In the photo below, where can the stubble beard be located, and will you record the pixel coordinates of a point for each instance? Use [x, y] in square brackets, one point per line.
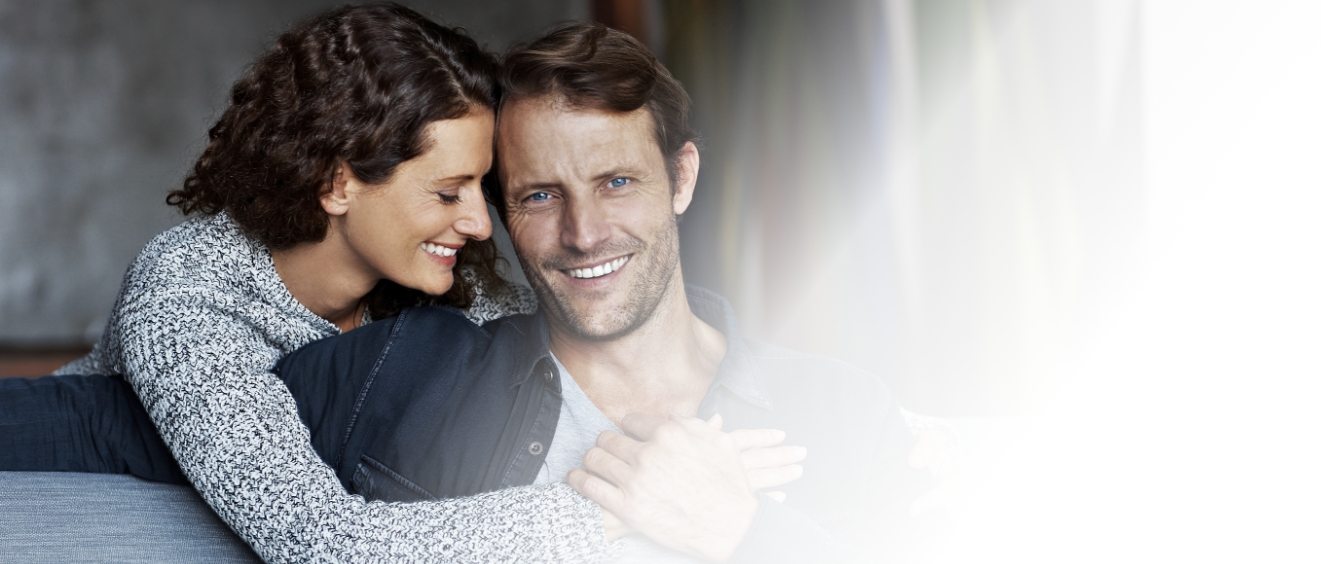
[655, 271]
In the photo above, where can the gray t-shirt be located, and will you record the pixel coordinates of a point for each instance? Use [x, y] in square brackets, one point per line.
[579, 424]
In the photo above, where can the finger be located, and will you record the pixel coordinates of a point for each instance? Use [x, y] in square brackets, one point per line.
[622, 447]
[600, 462]
[745, 439]
[763, 478]
[642, 426]
[599, 491]
[772, 457]
[716, 421]
[776, 495]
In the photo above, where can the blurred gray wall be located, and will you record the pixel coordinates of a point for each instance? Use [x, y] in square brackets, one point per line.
[104, 106]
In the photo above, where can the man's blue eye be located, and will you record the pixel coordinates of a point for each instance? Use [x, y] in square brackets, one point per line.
[618, 182]
[538, 197]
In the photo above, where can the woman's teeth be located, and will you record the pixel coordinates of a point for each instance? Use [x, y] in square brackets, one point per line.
[598, 270]
[439, 250]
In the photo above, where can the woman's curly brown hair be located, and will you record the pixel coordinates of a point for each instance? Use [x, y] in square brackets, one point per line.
[356, 85]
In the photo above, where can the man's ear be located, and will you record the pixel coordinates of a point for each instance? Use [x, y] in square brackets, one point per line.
[686, 162]
[335, 196]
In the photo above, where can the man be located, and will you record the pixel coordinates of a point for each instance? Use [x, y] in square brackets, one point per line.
[624, 371]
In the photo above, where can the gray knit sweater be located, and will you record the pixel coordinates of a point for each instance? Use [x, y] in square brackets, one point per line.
[200, 321]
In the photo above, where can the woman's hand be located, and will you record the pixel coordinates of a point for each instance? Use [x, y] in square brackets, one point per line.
[683, 482]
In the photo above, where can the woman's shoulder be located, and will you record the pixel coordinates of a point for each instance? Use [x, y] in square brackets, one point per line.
[202, 251]
[207, 263]
[207, 278]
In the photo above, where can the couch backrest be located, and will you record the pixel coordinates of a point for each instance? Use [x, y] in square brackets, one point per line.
[72, 517]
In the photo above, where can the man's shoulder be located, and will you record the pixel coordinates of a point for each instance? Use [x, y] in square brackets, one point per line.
[437, 338]
[765, 352]
[523, 333]
[516, 323]
[427, 336]
[792, 371]
[785, 379]
[441, 319]
[814, 397]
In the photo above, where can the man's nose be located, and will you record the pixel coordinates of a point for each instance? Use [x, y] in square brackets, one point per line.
[585, 225]
[475, 221]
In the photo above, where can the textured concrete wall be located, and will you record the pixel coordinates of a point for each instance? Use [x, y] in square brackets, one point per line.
[104, 106]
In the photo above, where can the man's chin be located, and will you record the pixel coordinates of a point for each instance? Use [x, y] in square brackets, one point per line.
[593, 322]
[598, 332]
[590, 316]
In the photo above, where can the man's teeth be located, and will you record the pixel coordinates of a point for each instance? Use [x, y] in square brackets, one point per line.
[598, 270]
[439, 250]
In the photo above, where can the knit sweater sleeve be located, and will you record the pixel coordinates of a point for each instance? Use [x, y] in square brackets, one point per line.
[202, 369]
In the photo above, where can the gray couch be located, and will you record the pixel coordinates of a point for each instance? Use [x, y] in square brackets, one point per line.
[70, 517]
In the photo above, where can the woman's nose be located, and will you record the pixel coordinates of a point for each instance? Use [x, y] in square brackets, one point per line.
[475, 222]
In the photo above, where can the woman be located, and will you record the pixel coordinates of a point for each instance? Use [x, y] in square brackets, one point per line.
[350, 156]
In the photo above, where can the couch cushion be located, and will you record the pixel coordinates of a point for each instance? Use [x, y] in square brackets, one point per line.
[74, 517]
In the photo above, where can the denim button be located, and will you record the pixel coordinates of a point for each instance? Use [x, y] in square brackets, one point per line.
[547, 375]
[535, 448]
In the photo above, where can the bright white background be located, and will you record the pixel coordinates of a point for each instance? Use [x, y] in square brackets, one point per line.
[1188, 428]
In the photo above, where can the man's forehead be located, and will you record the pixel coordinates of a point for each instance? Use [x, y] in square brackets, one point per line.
[547, 132]
[556, 114]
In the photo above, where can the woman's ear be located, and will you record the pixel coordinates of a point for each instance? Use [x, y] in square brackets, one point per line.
[335, 196]
[687, 162]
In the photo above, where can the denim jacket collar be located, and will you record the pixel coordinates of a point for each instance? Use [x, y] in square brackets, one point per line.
[532, 348]
[737, 372]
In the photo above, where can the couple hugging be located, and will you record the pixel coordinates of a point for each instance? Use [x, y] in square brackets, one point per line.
[326, 351]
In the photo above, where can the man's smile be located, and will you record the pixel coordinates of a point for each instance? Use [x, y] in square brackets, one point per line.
[598, 270]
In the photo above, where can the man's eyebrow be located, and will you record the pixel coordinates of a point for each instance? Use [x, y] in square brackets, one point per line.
[630, 171]
[626, 170]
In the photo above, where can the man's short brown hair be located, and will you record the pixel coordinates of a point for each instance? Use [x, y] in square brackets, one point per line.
[591, 66]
